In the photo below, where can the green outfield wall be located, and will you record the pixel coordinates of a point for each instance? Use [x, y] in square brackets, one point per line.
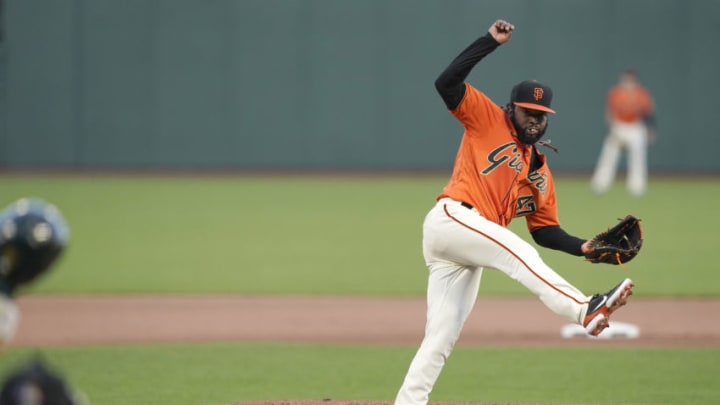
[335, 83]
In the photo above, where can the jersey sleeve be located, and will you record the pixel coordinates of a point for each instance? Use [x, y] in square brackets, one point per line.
[476, 110]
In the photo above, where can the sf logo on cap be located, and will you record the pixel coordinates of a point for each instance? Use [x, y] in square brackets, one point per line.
[538, 93]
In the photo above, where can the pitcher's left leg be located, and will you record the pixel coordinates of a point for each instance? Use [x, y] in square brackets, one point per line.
[451, 294]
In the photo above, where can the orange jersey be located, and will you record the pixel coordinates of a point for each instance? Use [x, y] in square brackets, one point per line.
[629, 104]
[491, 168]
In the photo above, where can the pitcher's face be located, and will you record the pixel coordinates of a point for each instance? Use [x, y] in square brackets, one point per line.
[530, 124]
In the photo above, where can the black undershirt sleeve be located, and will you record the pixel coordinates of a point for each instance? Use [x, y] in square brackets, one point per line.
[554, 237]
[451, 82]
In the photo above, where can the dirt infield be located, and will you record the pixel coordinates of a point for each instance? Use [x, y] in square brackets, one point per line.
[83, 320]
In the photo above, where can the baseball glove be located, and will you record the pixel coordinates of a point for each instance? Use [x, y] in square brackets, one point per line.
[617, 245]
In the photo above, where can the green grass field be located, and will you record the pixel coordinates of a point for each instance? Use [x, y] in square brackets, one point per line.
[335, 235]
[227, 373]
[352, 235]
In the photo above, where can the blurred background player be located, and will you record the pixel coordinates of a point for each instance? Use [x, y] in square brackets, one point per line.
[630, 113]
[36, 384]
[33, 235]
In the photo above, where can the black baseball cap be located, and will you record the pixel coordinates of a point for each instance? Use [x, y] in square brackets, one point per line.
[532, 95]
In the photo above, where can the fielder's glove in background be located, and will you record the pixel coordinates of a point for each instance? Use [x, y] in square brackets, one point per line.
[617, 245]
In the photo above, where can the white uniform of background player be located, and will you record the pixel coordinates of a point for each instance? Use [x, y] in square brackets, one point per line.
[629, 115]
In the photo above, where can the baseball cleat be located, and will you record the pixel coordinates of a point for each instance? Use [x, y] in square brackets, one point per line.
[601, 306]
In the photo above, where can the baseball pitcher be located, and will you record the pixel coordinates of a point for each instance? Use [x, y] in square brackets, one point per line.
[499, 174]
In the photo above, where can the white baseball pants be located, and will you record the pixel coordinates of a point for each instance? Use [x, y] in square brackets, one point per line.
[457, 244]
[631, 137]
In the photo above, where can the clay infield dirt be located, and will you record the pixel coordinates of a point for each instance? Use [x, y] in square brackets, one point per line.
[94, 320]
